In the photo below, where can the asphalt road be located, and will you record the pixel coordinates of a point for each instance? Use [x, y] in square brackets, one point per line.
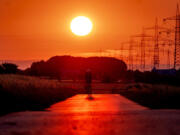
[106, 114]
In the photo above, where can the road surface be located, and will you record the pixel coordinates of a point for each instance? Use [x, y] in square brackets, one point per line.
[106, 114]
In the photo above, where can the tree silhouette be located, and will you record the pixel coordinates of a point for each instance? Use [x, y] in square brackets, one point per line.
[68, 67]
[10, 68]
[2, 69]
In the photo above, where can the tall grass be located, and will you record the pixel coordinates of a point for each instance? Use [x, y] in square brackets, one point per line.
[19, 93]
[154, 96]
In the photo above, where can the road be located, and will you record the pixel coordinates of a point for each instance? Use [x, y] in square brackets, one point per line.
[106, 114]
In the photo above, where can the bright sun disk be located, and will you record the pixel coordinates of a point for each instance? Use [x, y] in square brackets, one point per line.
[81, 26]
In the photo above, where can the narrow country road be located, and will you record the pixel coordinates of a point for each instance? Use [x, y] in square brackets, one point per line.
[100, 103]
[106, 114]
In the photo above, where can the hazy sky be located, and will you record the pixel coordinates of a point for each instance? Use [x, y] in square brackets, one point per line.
[39, 29]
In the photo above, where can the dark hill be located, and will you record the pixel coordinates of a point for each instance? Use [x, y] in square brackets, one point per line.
[68, 67]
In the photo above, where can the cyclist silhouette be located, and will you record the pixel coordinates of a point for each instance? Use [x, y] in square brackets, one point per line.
[88, 81]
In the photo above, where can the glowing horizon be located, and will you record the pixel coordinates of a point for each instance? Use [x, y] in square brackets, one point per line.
[32, 30]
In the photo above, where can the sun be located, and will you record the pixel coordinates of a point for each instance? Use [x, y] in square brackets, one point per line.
[81, 26]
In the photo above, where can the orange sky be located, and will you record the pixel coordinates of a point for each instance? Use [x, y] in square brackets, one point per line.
[39, 29]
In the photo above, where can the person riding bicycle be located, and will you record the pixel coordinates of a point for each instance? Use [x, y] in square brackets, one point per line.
[88, 81]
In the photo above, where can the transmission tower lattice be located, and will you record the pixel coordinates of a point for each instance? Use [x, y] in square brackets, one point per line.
[177, 38]
[143, 37]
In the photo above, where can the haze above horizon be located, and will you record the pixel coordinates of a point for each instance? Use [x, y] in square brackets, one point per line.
[40, 29]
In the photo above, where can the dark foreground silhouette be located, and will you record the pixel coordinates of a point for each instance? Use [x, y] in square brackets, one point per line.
[20, 93]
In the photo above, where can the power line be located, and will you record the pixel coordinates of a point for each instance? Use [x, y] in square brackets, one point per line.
[177, 37]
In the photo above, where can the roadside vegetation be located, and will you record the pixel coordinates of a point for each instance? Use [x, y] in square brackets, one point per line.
[20, 93]
[159, 96]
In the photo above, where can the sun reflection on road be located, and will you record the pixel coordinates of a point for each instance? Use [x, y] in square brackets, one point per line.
[81, 103]
[100, 103]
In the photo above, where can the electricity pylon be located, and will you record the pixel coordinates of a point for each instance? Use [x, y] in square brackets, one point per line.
[143, 37]
[156, 39]
[177, 37]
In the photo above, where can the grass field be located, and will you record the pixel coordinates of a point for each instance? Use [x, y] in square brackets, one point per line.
[153, 96]
[19, 93]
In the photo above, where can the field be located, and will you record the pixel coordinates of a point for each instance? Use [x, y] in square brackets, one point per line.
[20, 93]
[153, 96]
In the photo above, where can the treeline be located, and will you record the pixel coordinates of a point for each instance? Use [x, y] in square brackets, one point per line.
[68, 67]
[105, 69]
[9, 68]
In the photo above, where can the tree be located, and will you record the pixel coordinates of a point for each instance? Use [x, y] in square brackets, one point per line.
[10, 68]
[2, 69]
